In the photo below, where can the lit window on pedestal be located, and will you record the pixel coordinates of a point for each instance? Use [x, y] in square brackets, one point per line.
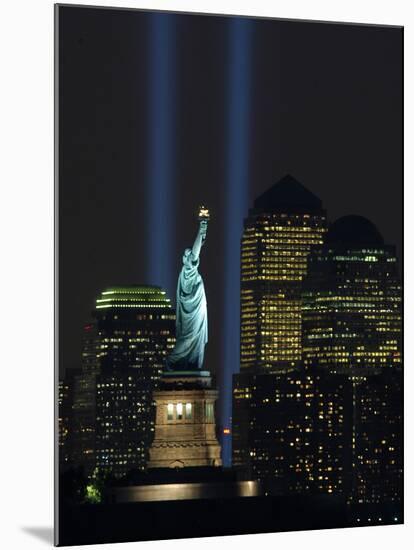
[188, 411]
[170, 411]
[209, 412]
[179, 411]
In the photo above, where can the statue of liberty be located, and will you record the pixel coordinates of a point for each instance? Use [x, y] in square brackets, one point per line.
[191, 308]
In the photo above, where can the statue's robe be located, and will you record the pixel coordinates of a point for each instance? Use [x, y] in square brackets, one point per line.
[191, 318]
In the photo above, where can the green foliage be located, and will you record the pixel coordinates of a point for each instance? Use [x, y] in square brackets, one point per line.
[93, 494]
[95, 489]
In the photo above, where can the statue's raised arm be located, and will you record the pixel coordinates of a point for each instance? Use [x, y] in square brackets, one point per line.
[199, 240]
[191, 307]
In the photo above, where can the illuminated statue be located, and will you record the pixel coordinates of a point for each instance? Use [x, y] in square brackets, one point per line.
[191, 321]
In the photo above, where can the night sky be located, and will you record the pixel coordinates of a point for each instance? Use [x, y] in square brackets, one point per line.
[159, 113]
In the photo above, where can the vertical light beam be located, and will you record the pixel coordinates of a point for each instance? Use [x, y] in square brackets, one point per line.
[161, 151]
[238, 136]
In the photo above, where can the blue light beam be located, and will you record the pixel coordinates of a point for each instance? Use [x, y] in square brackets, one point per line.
[237, 180]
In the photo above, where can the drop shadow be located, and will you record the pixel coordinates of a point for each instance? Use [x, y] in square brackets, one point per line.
[44, 534]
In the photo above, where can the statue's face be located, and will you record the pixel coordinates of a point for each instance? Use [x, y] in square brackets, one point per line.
[187, 253]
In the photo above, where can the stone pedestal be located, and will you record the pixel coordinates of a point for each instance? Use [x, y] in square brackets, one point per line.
[185, 429]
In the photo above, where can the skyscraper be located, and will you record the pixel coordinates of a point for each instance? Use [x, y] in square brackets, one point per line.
[273, 429]
[273, 399]
[285, 222]
[67, 439]
[291, 430]
[64, 421]
[377, 444]
[136, 332]
[352, 301]
[84, 402]
[352, 327]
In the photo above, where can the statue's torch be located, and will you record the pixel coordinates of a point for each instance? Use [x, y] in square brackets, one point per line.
[203, 217]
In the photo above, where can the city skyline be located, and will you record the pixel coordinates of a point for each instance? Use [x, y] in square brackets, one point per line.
[178, 129]
[300, 215]
[287, 196]
[317, 404]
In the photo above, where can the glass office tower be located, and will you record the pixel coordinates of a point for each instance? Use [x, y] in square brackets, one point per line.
[136, 332]
[285, 222]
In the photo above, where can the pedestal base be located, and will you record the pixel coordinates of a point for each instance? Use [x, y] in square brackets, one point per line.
[185, 429]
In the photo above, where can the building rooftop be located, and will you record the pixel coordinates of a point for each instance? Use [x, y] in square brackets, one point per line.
[288, 195]
[133, 296]
[355, 231]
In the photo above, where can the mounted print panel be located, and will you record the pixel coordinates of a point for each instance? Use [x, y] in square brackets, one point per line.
[229, 289]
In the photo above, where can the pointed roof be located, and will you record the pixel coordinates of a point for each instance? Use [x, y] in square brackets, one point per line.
[288, 195]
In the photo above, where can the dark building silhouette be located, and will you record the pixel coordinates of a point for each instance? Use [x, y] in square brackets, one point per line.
[65, 418]
[333, 433]
[291, 431]
[273, 429]
[377, 446]
[136, 331]
[352, 327]
[64, 421]
[84, 403]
